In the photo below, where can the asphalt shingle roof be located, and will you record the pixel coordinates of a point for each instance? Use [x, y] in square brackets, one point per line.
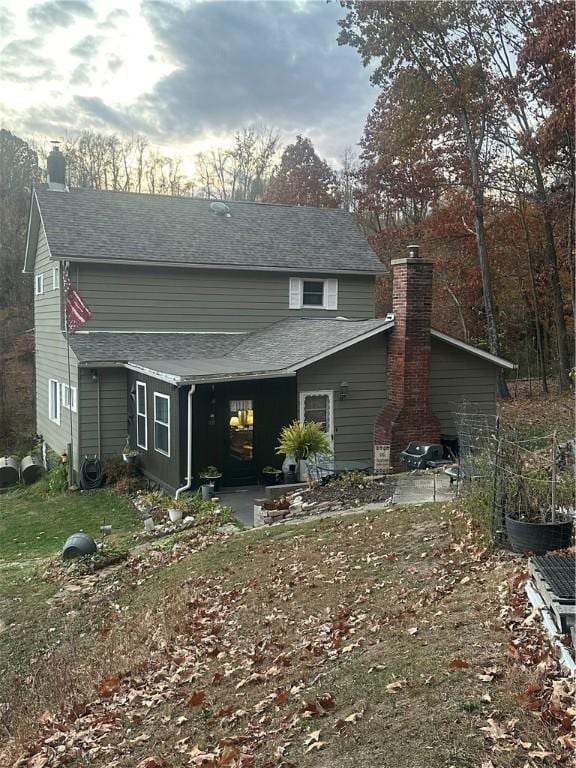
[105, 347]
[108, 226]
[278, 347]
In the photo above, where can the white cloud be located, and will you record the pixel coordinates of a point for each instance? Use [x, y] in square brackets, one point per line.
[184, 73]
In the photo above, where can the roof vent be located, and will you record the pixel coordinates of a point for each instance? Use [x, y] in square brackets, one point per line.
[220, 209]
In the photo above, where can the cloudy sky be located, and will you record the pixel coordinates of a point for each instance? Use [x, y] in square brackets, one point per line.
[184, 73]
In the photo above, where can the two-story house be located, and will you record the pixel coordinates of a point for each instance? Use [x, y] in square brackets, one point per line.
[214, 325]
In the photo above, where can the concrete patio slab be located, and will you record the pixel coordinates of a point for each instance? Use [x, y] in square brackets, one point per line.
[241, 501]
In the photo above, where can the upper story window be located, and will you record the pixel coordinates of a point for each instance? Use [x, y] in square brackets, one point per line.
[39, 285]
[162, 424]
[313, 294]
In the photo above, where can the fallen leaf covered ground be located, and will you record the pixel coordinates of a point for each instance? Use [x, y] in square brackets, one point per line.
[387, 640]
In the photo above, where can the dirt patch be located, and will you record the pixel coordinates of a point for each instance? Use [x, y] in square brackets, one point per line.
[347, 498]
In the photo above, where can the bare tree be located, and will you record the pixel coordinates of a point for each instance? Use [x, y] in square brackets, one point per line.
[242, 171]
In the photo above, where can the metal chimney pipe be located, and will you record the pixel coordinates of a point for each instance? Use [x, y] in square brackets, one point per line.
[413, 251]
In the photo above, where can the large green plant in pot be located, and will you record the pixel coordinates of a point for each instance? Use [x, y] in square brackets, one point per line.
[303, 440]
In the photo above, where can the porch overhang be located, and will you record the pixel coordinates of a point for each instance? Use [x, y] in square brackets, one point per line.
[208, 371]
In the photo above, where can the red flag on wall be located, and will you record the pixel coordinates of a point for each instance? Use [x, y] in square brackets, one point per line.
[77, 313]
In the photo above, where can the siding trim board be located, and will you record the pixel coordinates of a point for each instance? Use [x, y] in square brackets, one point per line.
[473, 350]
[219, 266]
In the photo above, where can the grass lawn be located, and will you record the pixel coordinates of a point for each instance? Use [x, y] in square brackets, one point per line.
[35, 525]
[372, 640]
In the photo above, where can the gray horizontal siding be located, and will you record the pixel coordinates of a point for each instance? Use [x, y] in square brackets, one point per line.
[458, 378]
[51, 354]
[150, 298]
[363, 367]
[113, 412]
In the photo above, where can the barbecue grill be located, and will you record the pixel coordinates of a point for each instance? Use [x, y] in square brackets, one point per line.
[423, 455]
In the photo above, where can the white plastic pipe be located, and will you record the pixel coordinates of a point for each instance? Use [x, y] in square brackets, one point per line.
[188, 484]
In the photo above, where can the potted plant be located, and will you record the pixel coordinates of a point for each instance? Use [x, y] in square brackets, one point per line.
[212, 476]
[303, 440]
[271, 475]
[535, 508]
[174, 514]
[129, 455]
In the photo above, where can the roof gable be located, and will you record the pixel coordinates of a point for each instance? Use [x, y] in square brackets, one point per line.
[94, 225]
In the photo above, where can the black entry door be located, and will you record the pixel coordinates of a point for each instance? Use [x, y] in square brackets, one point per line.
[239, 425]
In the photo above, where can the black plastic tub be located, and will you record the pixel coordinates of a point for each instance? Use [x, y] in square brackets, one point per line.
[272, 478]
[538, 538]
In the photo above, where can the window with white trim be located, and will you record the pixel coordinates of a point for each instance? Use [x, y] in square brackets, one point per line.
[54, 278]
[162, 424]
[39, 285]
[142, 416]
[310, 293]
[54, 400]
[69, 398]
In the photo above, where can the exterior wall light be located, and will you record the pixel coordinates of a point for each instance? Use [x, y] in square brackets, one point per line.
[343, 391]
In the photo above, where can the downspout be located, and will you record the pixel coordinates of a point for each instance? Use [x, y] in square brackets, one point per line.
[98, 415]
[188, 484]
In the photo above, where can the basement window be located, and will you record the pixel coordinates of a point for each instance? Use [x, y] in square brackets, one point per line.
[54, 400]
[39, 285]
[162, 424]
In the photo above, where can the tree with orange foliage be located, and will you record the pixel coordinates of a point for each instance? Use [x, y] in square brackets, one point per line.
[439, 42]
[303, 178]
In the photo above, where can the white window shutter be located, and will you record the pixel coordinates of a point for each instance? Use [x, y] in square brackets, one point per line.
[331, 294]
[295, 300]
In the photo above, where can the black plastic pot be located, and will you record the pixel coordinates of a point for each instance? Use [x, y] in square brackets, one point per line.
[272, 478]
[538, 538]
[214, 481]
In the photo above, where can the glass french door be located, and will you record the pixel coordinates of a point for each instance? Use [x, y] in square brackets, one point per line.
[240, 440]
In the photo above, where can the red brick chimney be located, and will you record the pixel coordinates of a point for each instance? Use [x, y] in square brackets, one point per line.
[408, 415]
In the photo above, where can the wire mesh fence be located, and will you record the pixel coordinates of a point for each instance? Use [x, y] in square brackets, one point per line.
[412, 488]
[523, 480]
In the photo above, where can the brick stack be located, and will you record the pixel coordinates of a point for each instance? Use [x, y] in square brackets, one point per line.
[408, 415]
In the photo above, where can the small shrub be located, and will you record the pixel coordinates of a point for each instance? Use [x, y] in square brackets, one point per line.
[103, 558]
[53, 459]
[115, 469]
[350, 481]
[57, 479]
[129, 485]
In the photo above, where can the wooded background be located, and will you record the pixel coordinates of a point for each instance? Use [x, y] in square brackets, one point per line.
[469, 151]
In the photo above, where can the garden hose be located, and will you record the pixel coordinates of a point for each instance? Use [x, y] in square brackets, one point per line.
[91, 473]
